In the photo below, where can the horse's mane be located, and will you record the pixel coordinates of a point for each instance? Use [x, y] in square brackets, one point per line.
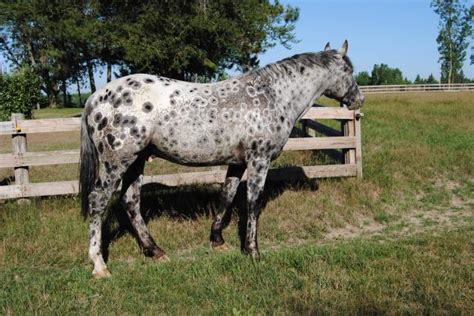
[321, 59]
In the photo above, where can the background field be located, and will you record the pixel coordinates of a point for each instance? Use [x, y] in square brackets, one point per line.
[399, 240]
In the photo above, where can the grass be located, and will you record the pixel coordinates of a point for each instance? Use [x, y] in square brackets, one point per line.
[398, 241]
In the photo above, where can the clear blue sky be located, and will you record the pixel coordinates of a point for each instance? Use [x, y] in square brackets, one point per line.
[400, 33]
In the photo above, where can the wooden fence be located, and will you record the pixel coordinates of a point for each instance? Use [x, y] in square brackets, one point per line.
[417, 88]
[348, 138]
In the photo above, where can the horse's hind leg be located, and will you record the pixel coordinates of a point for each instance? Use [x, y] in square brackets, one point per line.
[132, 183]
[222, 219]
[105, 185]
[256, 174]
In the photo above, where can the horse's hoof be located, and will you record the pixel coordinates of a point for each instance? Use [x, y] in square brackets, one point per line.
[161, 258]
[221, 247]
[102, 274]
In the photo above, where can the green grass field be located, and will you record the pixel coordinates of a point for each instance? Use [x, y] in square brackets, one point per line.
[400, 240]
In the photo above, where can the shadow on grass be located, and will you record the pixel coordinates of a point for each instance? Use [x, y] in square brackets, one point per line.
[190, 202]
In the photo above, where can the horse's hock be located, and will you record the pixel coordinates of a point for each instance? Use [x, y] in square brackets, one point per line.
[341, 144]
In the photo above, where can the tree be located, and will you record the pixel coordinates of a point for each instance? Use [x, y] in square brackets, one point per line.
[418, 80]
[64, 41]
[36, 33]
[383, 75]
[431, 79]
[19, 92]
[183, 39]
[471, 21]
[362, 78]
[454, 29]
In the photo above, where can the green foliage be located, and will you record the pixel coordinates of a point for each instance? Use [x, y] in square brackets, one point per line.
[382, 74]
[430, 80]
[181, 39]
[64, 41]
[19, 92]
[363, 78]
[455, 27]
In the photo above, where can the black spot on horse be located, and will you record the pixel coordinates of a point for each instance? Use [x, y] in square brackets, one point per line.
[136, 85]
[134, 132]
[282, 119]
[119, 88]
[107, 166]
[148, 80]
[102, 124]
[128, 101]
[254, 145]
[117, 119]
[100, 147]
[110, 140]
[97, 117]
[147, 107]
[117, 103]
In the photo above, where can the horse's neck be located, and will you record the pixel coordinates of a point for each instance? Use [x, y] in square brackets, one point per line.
[304, 87]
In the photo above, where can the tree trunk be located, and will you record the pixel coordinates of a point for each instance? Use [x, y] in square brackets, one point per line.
[79, 92]
[64, 88]
[52, 92]
[90, 72]
[52, 99]
[109, 72]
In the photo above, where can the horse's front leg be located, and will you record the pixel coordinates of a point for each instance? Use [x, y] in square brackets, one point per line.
[257, 170]
[132, 183]
[222, 219]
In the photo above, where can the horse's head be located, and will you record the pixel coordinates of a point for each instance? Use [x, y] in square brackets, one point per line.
[343, 88]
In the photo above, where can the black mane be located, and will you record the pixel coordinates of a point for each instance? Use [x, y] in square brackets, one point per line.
[321, 59]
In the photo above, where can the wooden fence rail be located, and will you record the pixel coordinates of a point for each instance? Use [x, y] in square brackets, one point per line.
[348, 139]
[417, 88]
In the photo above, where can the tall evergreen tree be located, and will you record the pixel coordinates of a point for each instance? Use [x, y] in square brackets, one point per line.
[454, 30]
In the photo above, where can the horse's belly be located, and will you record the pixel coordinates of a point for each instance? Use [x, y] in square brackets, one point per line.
[197, 150]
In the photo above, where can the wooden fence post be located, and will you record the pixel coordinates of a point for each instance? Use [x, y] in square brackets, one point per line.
[22, 177]
[358, 149]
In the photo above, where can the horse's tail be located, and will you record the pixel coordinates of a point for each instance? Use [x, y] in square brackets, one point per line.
[88, 166]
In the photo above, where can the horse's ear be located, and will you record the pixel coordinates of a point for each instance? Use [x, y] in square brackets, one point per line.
[327, 47]
[343, 49]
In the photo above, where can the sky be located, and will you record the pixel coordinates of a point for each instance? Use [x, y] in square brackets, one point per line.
[399, 33]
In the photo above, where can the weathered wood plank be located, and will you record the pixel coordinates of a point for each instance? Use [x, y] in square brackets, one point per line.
[53, 188]
[332, 113]
[10, 191]
[42, 158]
[7, 128]
[311, 143]
[50, 125]
[213, 176]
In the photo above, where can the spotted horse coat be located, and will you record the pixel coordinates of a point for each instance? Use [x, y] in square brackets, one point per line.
[243, 122]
